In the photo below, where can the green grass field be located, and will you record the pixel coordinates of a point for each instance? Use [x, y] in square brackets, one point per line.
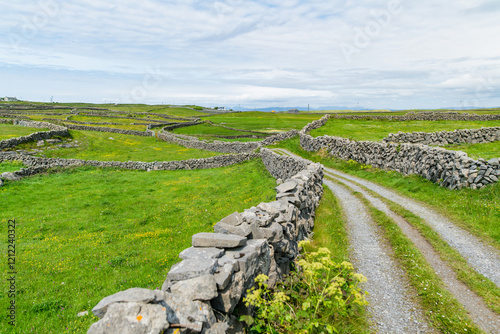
[98, 146]
[86, 233]
[207, 131]
[8, 131]
[264, 121]
[376, 130]
[486, 151]
[160, 109]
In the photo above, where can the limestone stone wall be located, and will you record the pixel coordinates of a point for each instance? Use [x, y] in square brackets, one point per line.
[281, 167]
[451, 169]
[215, 146]
[470, 136]
[146, 133]
[181, 125]
[424, 116]
[202, 290]
[37, 164]
[54, 130]
[221, 146]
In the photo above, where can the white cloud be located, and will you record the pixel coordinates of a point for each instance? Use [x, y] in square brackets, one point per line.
[257, 52]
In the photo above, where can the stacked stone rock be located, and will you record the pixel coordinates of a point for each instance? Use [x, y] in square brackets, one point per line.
[423, 116]
[181, 125]
[469, 136]
[200, 292]
[215, 146]
[38, 165]
[146, 133]
[451, 169]
[55, 130]
[224, 147]
[279, 137]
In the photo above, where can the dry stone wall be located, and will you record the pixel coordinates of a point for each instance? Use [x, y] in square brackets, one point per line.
[54, 130]
[469, 136]
[451, 169]
[424, 116]
[181, 125]
[201, 292]
[146, 133]
[215, 146]
[37, 164]
[224, 147]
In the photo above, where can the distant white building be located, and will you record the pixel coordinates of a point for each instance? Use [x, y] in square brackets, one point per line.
[10, 99]
[293, 111]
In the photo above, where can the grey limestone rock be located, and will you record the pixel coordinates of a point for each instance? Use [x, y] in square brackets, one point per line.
[233, 219]
[242, 230]
[199, 288]
[186, 314]
[218, 240]
[286, 187]
[10, 176]
[191, 268]
[223, 275]
[229, 297]
[138, 295]
[218, 328]
[494, 162]
[132, 318]
[193, 253]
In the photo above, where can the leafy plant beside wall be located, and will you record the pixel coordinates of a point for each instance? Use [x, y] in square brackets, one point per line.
[319, 297]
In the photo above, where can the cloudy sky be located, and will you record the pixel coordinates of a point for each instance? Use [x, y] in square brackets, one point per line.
[376, 54]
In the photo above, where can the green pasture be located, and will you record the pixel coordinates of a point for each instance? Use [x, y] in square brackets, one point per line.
[376, 130]
[159, 109]
[8, 131]
[264, 121]
[486, 150]
[83, 234]
[207, 131]
[95, 145]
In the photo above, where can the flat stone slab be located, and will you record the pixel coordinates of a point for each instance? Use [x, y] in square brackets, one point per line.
[137, 295]
[233, 219]
[10, 176]
[132, 318]
[286, 187]
[199, 288]
[218, 240]
[194, 253]
[191, 268]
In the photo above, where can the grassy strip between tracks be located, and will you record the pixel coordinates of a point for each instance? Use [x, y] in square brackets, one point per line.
[465, 273]
[445, 313]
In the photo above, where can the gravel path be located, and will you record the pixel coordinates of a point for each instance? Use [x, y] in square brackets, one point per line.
[486, 319]
[391, 301]
[482, 257]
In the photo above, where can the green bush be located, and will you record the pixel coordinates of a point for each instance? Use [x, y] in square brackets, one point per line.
[319, 298]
